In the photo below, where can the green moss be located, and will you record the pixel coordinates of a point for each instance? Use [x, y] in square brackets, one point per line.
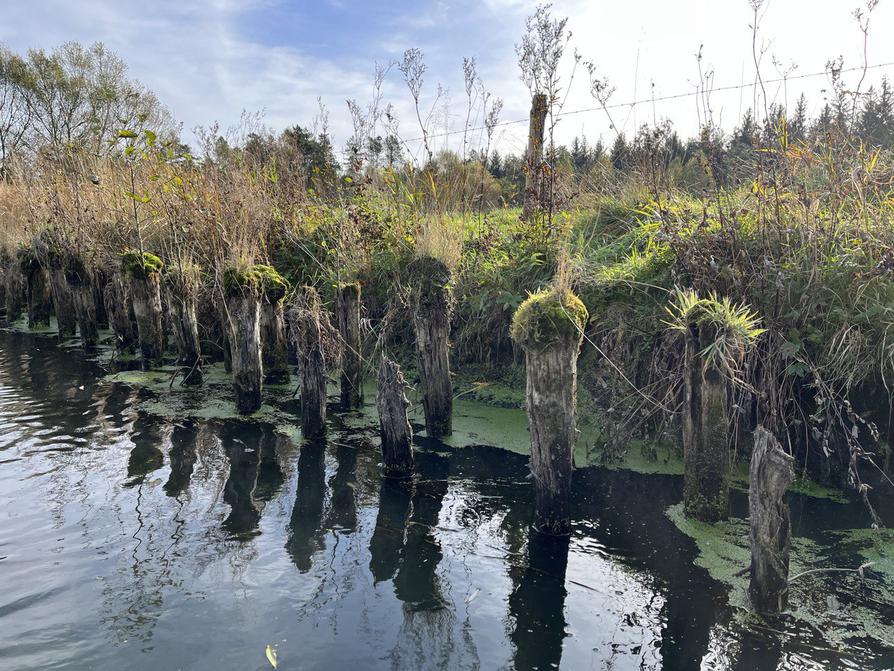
[548, 317]
[135, 264]
[261, 278]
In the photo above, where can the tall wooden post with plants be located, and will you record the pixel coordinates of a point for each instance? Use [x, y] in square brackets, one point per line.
[534, 157]
[51, 250]
[37, 283]
[307, 318]
[348, 307]
[394, 425]
[548, 326]
[119, 309]
[717, 335]
[143, 275]
[771, 472]
[274, 341]
[182, 288]
[242, 293]
[79, 277]
[432, 308]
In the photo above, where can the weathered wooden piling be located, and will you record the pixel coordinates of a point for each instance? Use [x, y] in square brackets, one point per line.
[143, 275]
[307, 318]
[37, 289]
[274, 341]
[182, 286]
[771, 472]
[549, 328]
[534, 157]
[14, 291]
[63, 302]
[122, 320]
[242, 324]
[432, 306]
[348, 307]
[80, 285]
[394, 425]
[705, 429]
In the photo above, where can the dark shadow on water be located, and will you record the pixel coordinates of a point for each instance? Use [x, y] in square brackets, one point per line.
[146, 455]
[387, 542]
[305, 534]
[537, 603]
[182, 455]
[255, 475]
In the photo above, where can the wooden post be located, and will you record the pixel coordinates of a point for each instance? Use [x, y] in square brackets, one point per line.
[771, 472]
[182, 289]
[394, 425]
[705, 429]
[80, 285]
[14, 285]
[122, 319]
[101, 278]
[143, 273]
[431, 320]
[243, 328]
[549, 328]
[63, 303]
[306, 318]
[37, 283]
[351, 346]
[534, 157]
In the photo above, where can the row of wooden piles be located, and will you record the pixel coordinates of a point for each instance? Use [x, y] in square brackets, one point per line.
[142, 301]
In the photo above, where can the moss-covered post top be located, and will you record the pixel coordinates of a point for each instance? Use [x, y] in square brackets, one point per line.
[429, 273]
[551, 317]
[261, 279]
[139, 265]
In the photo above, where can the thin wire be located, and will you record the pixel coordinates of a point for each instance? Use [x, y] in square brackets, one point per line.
[675, 96]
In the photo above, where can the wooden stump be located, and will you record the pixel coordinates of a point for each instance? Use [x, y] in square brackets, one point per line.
[771, 472]
[548, 326]
[143, 273]
[351, 346]
[63, 303]
[705, 431]
[431, 321]
[243, 328]
[14, 285]
[394, 425]
[306, 317]
[39, 295]
[122, 319]
[80, 285]
[182, 289]
[534, 157]
[274, 343]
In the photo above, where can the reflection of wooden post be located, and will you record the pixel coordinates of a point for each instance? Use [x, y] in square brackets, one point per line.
[548, 326]
[395, 429]
[351, 360]
[534, 157]
[431, 321]
[770, 474]
[309, 335]
[705, 428]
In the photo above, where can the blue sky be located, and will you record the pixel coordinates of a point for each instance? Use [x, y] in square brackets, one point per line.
[211, 59]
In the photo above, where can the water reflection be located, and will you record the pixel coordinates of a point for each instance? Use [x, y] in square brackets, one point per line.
[182, 455]
[537, 603]
[255, 475]
[305, 532]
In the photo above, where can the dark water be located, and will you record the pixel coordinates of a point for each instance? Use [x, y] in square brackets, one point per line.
[133, 542]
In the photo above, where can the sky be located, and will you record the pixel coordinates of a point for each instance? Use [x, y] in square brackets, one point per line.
[210, 60]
